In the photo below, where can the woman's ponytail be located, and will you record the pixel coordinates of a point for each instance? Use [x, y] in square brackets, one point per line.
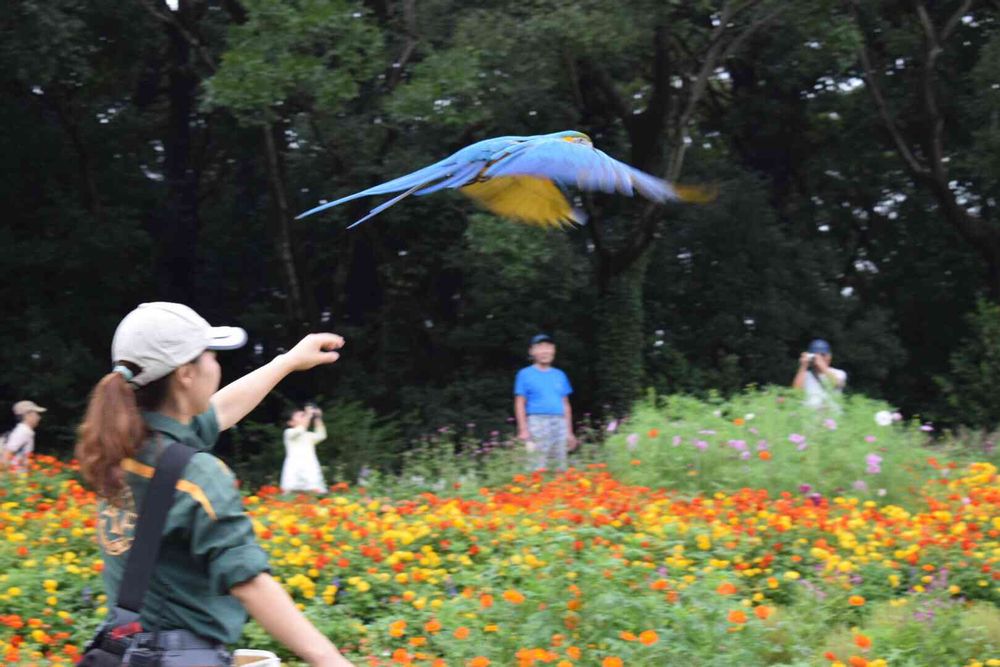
[112, 431]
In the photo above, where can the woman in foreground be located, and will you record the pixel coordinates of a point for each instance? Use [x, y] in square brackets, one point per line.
[163, 388]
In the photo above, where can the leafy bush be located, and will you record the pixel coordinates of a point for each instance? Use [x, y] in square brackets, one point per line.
[768, 439]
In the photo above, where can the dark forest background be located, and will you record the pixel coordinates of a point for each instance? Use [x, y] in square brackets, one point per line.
[156, 153]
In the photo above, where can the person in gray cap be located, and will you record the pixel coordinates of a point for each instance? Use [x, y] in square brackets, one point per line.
[820, 381]
[19, 444]
[164, 387]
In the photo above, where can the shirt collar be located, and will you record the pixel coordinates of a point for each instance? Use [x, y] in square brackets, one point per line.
[173, 429]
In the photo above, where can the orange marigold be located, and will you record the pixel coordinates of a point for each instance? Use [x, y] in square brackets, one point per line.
[648, 637]
[486, 600]
[725, 588]
[397, 628]
[513, 597]
[737, 616]
[432, 626]
[764, 455]
[627, 636]
[856, 600]
[863, 641]
[857, 661]
[461, 633]
[574, 652]
[612, 661]
[653, 432]
[479, 661]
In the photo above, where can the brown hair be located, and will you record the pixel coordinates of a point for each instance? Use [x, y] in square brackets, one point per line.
[113, 429]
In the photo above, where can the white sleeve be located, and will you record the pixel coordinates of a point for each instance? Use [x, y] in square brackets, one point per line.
[841, 377]
[319, 435]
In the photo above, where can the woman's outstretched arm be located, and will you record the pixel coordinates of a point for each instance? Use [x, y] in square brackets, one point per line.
[234, 401]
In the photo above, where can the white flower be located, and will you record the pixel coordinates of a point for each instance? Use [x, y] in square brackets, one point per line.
[717, 413]
[749, 416]
[883, 417]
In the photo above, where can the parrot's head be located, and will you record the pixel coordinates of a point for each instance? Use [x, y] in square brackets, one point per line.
[574, 137]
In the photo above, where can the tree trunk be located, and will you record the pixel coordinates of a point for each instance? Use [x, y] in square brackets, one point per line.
[177, 228]
[295, 302]
[620, 340]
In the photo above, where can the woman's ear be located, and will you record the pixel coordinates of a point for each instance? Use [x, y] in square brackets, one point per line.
[184, 375]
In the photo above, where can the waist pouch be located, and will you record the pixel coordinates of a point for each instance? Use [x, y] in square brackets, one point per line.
[127, 645]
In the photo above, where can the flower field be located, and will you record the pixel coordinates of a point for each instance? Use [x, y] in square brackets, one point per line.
[575, 569]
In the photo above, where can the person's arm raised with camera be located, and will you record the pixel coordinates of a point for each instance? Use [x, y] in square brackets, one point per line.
[799, 382]
[823, 369]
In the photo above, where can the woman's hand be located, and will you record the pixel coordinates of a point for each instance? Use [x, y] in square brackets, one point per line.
[314, 350]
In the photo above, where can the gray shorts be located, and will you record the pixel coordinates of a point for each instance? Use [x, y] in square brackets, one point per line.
[548, 437]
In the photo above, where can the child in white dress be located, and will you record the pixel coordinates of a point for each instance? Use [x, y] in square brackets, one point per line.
[301, 471]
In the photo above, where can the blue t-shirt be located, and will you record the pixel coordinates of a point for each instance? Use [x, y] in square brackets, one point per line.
[543, 390]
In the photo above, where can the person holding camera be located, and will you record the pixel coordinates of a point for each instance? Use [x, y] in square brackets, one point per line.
[301, 471]
[817, 377]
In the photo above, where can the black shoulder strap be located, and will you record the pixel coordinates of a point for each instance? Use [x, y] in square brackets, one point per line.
[149, 529]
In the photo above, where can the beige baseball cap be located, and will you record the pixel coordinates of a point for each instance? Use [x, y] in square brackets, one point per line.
[159, 337]
[22, 408]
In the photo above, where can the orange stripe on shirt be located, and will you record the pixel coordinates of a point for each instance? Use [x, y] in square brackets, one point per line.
[190, 488]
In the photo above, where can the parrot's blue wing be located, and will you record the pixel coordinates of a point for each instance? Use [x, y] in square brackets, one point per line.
[580, 165]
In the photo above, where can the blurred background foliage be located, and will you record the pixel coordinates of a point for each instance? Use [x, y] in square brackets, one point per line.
[153, 152]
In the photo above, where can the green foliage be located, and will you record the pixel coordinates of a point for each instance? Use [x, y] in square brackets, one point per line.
[819, 230]
[975, 370]
[289, 52]
[769, 439]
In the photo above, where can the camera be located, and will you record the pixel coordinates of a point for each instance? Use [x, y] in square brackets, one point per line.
[810, 356]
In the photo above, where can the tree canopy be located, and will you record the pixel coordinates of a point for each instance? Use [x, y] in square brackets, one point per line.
[156, 151]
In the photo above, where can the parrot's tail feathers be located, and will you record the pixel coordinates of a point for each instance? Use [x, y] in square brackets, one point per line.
[696, 194]
[459, 178]
[338, 202]
[381, 207]
[428, 175]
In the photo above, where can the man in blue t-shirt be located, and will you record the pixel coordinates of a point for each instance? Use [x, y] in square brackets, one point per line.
[541, 405]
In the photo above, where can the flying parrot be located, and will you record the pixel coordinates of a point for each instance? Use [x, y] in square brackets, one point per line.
[523, 178]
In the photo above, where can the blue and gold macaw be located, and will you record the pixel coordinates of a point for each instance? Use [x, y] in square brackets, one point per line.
[523, 178]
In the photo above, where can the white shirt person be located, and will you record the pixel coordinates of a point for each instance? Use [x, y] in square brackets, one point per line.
[820, 381]
[301, 470]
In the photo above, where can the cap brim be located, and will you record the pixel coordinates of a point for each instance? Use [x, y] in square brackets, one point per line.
[227, 338]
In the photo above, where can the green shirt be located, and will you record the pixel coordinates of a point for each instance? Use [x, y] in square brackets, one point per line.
[208, 541]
